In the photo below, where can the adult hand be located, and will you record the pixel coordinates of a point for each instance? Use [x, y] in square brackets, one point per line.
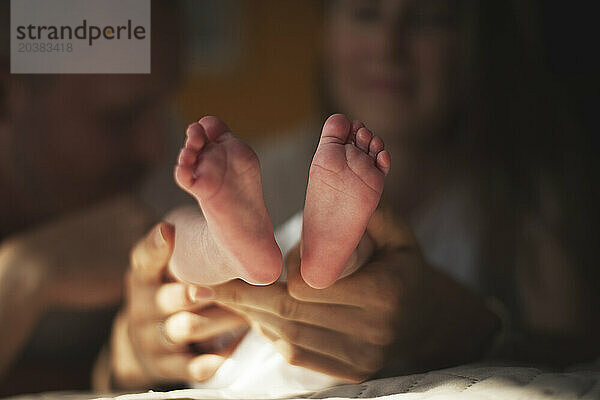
[393, 307]
[153, 335]
[342, 331]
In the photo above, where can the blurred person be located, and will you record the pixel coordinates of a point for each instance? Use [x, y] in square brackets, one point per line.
[490, 172]
[485, 171]
[72, 148]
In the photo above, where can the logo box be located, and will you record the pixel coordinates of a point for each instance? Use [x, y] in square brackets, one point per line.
[80, 36]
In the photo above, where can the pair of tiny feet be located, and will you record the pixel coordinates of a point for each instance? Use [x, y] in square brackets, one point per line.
[346, 180]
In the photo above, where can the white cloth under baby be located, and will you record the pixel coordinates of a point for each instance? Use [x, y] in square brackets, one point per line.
[256, 367]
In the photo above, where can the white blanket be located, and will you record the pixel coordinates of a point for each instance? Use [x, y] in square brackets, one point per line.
[475, 381]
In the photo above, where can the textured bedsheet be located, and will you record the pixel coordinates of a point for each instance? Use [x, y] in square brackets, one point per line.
[475, 381]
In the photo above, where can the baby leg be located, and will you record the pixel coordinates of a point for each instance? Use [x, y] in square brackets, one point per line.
[344, 187]
[230, 235]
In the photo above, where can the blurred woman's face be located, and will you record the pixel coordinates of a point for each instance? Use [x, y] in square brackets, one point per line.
[391, 63]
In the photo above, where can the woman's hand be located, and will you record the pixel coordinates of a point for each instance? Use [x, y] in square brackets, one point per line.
[342, 331]
[153, 336]
[395, 307]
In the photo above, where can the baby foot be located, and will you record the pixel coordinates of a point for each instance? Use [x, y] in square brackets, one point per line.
[345, 184]
[223, 175]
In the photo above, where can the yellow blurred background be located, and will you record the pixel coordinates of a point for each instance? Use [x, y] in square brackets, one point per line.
[241, 55]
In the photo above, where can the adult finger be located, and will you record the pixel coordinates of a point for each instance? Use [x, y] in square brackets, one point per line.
[187, 327]
[274, 299]
[345, 348]
[183, 328]
[296, 355]
[376, 286]
[148, 302]
[149, 258]
[173, 297]
[152, 339]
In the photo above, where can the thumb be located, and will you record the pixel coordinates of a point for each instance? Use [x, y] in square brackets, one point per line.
[149, 258]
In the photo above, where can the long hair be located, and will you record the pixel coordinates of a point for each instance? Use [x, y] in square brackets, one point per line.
[527, 153]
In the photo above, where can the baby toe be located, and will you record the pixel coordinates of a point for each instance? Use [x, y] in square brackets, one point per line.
[196, 138]
[187, 157]
[213, 127]
[375, 146]
[184, 176]
[338, 127]
[356, 125]
[384, 161]
[363, 138]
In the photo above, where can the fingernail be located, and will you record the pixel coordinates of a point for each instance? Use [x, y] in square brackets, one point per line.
[159, 238]
[198, 293]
